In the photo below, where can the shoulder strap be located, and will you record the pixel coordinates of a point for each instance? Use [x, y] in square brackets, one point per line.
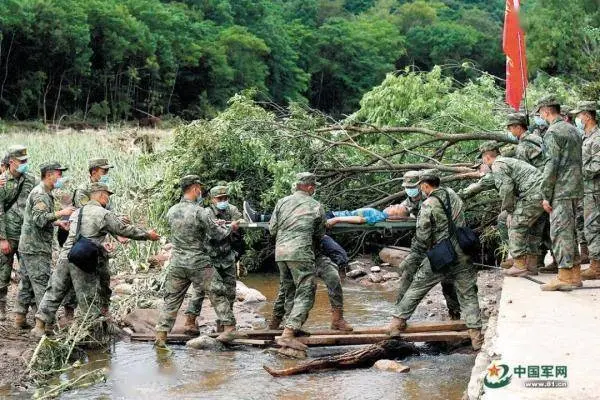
[77, 232]
[9, 205]
[73, 197]
[448, 212]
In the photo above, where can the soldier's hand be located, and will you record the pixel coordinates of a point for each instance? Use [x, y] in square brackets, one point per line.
[109, 246]
[64, 225]
[65, 212]
[547, 206]
[152, 235]
[5, 247]
[125, 219]
[235, 226]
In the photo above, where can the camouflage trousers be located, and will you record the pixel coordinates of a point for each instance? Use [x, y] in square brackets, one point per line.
[325, 269]
[591, 212]
[464, 277]
[35, 272]
[526, 228]
[6, 266]
[502, 226]
[226, 268]
[581, 238]
[204, 279]
[563, 232]
[407, 276]
[298, 277]
[67, 279]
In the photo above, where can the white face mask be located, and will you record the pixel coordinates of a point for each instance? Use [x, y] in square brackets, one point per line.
[412, 192]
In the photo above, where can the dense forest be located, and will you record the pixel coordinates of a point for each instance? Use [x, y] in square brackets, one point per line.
[110, 60]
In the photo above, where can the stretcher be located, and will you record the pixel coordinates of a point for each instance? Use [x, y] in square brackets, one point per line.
[387, 227]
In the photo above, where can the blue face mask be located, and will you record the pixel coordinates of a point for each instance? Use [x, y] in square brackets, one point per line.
[222, 205]
[59, 183]
[104, 179]
[579, 124]
[23, 168]
[412, 192]
[539, 121]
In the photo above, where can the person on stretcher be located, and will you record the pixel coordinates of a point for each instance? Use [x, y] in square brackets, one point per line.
[409, 207]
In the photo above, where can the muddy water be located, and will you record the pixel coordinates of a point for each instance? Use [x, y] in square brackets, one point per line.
[136, 372]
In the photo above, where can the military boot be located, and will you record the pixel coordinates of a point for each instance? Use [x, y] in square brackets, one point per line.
[551, 268]
[561, 282]
[397, 326]
[39, 330]
[476, 338]
[593, 272]
[161, 340]
[190, 327]
[338, 322]
[219, 327]
[454, 315]
[532, 264]
[519, 267]
[584, 254]
[2, 310]
[227, 335]
[69, 314]
[21, 321]
[507, 263]
[288, 339]
[275, 323]
[576, 276]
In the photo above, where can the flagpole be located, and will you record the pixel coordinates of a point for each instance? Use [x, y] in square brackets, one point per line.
[523, 76]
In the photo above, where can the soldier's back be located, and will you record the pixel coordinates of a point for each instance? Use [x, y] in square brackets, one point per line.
[563, 143]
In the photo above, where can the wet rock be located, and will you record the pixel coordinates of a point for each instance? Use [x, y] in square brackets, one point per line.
[376, 278]
[356, 265]
[205, 343]
[391, 275]
[393, 256]
[375, 268]
[248, 295]
[356, 273]
[123, 288]
[385, 264]
[390, 365]
[292, 353]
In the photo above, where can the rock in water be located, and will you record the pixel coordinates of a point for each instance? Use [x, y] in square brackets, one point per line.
[376, 278]
[393, 256]
[391, 275]
[376, 268]
[248, 295]
[205, 343]
[390, 365]
[356, 273]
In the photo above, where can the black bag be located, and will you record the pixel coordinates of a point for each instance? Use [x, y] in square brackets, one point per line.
[468, 240]
[85, 253]
[441, 256]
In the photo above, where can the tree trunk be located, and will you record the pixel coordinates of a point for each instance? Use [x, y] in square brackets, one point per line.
[361, 358]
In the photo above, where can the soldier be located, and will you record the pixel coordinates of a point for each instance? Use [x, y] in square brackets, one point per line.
[327, 270]
[529, 148]
[18, 183]
[222, 256]
[96, 224]
[586, 121]
[298, 223]
[519, 185]
[432, 227]
[191, 227]
[35, 244]
[561, 188]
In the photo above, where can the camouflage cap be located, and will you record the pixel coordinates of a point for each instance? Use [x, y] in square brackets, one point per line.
[585, 106]
[52, 166]
[218, 191]
[516, 119]
[546, 101]
[189, 180]
[17, 151]
[99, 163]
[430, 173]
[566, 110]
[306, 178]
[411, 179]
[99, 187]
[490, 145]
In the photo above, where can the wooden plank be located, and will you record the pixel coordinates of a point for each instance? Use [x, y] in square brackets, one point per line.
[180, 338]
[344, 340]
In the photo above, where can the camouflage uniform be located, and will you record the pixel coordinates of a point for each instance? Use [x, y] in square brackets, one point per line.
[96, 224]
[530, 150]
[410, 267]
[191, 227]
[222, 258]
[298, 223]
[519, 185]
[562, 187]
[35, 247]
[591, 190]
[10, 223]
[462, 273]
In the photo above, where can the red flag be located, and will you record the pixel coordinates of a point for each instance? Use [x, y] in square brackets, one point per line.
[516, 60]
